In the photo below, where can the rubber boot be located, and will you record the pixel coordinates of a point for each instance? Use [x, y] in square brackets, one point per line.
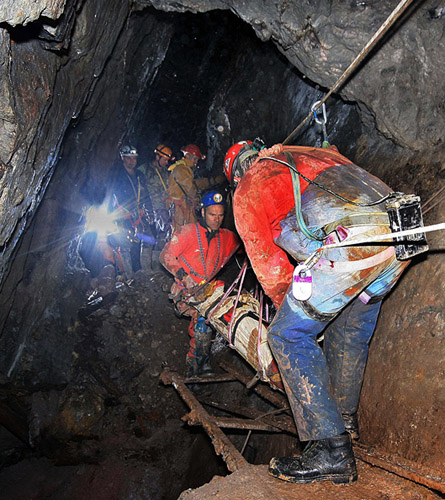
[203, 341]
[351, 425]
[147, 258]
[126, 262]
[330, 459]
[191, 367]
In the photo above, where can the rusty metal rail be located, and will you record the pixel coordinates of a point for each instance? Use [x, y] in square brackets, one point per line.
[218, 378]
[269, 422]
[281, 422]
[274, 397]
[232, 423]
[220, 441]
[401, 467]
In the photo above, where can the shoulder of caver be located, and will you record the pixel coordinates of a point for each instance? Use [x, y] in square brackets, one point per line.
[182, 172]
[186, 233]
[181, 241]
[179, 164]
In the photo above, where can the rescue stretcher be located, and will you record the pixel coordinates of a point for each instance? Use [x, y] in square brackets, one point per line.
[238, 322]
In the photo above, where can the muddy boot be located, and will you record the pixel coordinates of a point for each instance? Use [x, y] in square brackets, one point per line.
[147, 258]
[351, 425]
[191, 367]
[330, 459]
[127, 270]
[203, 340]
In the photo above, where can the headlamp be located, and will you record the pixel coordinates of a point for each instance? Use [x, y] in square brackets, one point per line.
[99, 220]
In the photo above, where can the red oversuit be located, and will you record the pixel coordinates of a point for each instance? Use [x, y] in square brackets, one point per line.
[201, 254]
[258, 213]
[347, 283]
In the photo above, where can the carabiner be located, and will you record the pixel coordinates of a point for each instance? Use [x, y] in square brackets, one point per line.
[318, 120]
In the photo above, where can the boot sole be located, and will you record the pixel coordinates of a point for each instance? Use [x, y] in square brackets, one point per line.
[335, 478]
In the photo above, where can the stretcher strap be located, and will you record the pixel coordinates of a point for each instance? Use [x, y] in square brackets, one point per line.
[259, 350]
[232, 286]
[235, 304]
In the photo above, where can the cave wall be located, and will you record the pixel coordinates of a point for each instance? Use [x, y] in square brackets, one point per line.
[46, 258]
[60, 128]
[395, 88]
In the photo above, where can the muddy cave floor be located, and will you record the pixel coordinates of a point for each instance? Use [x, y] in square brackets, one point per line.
[118, 432]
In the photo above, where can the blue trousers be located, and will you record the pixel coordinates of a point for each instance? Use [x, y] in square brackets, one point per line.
[321, 385]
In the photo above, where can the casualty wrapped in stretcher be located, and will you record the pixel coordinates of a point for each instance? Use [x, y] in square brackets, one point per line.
[241, 328]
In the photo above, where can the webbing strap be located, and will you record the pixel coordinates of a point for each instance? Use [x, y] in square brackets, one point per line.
[313, 313]
[359, 219]
[297, 195]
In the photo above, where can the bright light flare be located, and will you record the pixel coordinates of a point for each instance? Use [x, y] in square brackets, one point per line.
[99, 220]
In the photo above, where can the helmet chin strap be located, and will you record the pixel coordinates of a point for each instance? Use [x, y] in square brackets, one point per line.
[246, 154]
[238, 168]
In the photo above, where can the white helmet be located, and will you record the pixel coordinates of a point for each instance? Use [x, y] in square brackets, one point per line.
[128, 151]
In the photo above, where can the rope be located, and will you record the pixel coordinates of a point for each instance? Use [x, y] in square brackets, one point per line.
[431, 199]
[234, 306]
[232, 286]
[396, 13]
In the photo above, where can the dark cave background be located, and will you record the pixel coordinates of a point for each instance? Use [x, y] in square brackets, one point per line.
[87, 392]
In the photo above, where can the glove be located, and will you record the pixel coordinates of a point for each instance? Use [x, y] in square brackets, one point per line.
[150, 240]
[188, 282]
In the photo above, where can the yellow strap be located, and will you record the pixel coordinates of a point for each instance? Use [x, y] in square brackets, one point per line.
[162, 180]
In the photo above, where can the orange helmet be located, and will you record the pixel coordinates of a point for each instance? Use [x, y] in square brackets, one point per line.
[193, 150]
[164, 151]
[232, 155]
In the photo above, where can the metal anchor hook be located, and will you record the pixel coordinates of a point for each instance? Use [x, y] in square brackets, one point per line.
[321, 121]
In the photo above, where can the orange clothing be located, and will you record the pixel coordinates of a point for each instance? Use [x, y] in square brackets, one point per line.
[199, 252]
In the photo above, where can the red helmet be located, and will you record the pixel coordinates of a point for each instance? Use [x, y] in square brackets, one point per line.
[231, 156]
[193, 150]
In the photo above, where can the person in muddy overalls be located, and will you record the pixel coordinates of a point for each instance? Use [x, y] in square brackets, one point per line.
[338, 291]
[194, 255]
[183, 187]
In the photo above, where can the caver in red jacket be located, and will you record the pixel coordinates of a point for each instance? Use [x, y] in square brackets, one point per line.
[200, 252]
[262, 200]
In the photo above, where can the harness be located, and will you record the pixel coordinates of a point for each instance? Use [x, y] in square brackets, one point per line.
[206, 275]
[297, 195]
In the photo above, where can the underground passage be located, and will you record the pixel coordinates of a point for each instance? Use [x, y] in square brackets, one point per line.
[222, 241]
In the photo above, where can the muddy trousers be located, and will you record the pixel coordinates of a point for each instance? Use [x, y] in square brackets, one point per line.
[322, 385]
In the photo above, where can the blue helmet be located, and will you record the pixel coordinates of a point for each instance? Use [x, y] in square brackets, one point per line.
[212, 198]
